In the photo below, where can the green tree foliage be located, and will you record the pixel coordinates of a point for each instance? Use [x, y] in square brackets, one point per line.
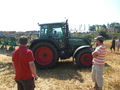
[115, 26]
[98, 27]
[92, 28]
[104, 34]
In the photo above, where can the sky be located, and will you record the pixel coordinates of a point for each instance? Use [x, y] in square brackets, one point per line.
[23, 15]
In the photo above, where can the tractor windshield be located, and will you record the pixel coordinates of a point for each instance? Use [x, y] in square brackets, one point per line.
[51, 30]
[57, 32]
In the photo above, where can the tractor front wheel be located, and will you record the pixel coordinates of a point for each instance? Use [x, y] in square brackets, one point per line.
[84, 58]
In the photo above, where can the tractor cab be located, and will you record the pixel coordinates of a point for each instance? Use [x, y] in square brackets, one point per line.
[52, 30]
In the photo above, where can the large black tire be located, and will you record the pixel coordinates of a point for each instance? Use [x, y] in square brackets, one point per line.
[84, 58]
[45, 55]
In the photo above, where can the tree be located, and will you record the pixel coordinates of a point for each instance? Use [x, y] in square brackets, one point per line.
[103, 33]
[115, 26]
[92, 28]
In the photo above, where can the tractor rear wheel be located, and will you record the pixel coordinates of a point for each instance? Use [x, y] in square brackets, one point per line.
[45, 55]
[84, 58]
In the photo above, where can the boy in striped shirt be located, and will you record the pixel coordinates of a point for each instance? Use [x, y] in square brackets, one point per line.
[98, 63]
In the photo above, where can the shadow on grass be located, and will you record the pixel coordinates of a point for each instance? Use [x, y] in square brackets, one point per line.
[107, 65]
[63, 71]
[117, 53]
[6, 67]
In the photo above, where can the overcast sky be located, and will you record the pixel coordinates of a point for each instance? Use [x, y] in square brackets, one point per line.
[23, 15]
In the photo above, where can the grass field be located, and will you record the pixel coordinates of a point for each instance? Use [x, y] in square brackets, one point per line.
[65, 76]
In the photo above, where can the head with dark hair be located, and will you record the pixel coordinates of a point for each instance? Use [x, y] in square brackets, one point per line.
[99, 40]
[23, 40]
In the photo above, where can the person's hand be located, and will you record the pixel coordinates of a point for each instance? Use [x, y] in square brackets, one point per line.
[94, 56]
[36, 77]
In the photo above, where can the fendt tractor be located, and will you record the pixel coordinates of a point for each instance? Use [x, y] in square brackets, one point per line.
[55, 43]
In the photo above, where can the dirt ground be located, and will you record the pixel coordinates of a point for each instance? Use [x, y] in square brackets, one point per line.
[65, 75]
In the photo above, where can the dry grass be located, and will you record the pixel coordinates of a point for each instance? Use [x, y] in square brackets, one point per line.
[65, 76]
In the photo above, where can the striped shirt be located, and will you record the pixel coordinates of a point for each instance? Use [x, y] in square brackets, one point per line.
[100, 59]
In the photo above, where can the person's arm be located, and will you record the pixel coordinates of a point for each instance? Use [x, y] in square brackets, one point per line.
[33, 69]
[13, 67]
[13, 59]
[95, 54]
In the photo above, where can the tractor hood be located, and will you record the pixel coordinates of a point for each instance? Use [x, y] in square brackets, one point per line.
[79, 41]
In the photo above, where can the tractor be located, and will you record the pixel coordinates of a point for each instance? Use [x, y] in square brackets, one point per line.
[56, 43]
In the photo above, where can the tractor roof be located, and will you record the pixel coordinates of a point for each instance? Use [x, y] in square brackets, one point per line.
[51, 23]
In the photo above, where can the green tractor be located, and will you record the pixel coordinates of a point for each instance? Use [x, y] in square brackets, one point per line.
[55, 42]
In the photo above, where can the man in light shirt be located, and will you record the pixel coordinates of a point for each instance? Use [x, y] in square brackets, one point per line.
[118, 44]
[98, 63]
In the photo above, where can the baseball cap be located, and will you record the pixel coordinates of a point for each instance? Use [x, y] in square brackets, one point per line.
[99, 38]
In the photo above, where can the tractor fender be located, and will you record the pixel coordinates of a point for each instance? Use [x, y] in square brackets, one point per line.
[80, 48]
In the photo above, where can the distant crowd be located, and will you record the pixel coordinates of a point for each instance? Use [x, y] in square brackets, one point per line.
[115, 43]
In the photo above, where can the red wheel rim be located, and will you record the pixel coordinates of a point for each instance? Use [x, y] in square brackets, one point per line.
[86, 59]
[44, 55]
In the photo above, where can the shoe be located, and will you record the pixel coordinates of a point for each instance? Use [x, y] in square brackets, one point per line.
[99, 88]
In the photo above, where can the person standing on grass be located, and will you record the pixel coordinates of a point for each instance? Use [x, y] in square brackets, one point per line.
[98, 63]
[112, 44]
[24, 67]
[118, 44]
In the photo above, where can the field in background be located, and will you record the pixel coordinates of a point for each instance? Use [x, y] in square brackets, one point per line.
[65, 75]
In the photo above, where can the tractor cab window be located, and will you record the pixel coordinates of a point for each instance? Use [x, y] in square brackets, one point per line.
[57, 32]
[51, 30]
[43, 31]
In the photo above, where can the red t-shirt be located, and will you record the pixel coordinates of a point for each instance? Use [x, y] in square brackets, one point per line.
[21, 58]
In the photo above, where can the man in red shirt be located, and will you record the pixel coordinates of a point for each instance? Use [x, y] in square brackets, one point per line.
[24, 67]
